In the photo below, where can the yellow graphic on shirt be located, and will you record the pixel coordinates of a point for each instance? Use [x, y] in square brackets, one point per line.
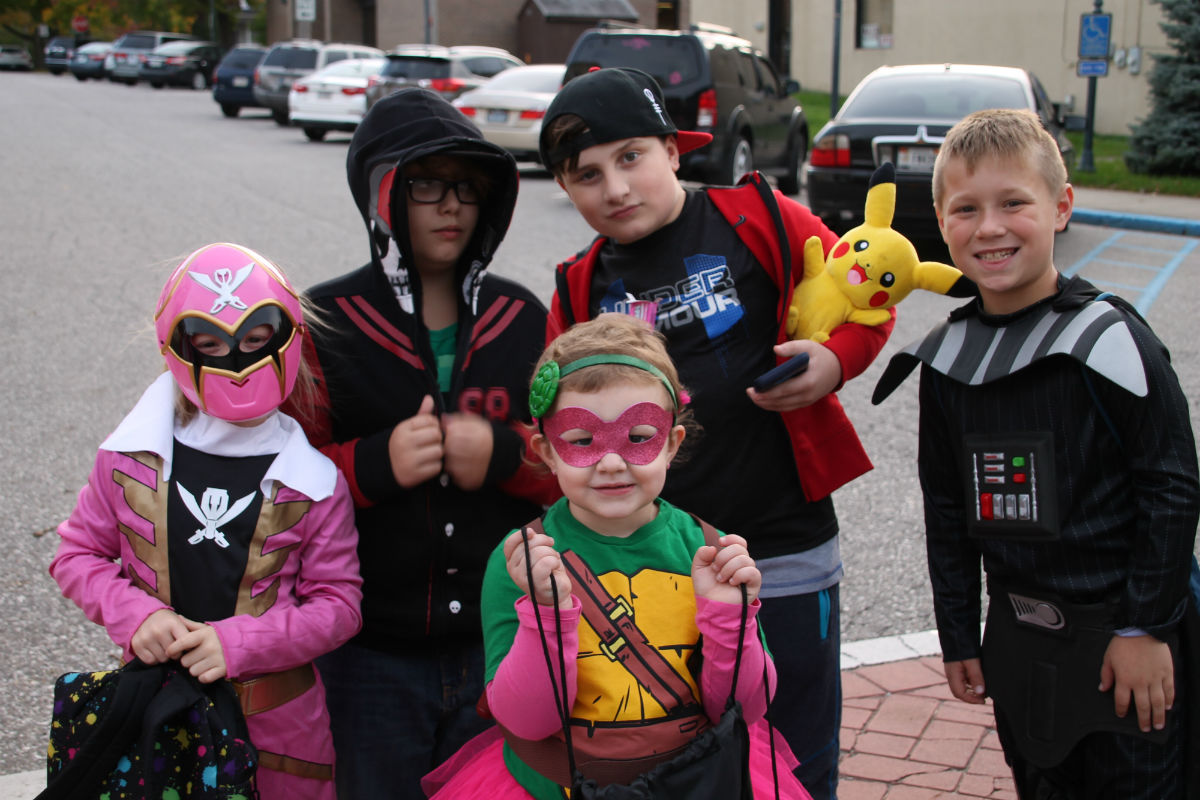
[663, 606]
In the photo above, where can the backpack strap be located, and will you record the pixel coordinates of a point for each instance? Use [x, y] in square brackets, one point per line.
[785, 247]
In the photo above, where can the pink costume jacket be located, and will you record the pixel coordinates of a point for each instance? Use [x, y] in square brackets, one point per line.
[300, 594]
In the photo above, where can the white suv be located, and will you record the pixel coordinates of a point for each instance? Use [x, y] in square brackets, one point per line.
[286, 62]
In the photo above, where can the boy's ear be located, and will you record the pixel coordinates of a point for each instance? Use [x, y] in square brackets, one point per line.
[672, 146]
[1063, 207]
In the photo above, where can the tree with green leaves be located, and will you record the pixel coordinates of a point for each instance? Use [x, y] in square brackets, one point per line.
[1168, 141]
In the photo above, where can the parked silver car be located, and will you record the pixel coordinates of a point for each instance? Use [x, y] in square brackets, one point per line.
[287, 62]
[449, 71]
[124, 62]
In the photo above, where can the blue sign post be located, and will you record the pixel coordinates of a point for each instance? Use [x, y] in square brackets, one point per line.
[1095, 36]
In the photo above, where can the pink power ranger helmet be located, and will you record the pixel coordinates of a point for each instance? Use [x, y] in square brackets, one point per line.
[226, 290]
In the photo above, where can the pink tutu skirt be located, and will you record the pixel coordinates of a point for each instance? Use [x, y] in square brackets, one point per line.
[477, 771]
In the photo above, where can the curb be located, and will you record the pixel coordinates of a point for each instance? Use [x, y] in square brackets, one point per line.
[1141, 222]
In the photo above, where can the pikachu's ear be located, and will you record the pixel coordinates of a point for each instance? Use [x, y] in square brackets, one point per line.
[934, 276]
[881, 197]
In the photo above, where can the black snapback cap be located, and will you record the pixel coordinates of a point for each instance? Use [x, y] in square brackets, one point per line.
[615, 103]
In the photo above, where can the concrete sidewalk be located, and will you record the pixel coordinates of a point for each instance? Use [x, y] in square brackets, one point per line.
[1159, 213]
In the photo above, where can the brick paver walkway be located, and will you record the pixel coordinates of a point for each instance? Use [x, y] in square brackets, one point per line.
[905, 737]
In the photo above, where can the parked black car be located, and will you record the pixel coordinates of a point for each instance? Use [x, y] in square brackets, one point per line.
[901, 114]
[60, 50]
[180, 64]
[89, 61]
[715, 82]
[233, 79]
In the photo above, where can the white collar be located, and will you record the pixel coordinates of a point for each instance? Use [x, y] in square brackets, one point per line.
[151, 426]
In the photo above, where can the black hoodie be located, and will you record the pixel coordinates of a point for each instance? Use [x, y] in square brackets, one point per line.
[423, 550]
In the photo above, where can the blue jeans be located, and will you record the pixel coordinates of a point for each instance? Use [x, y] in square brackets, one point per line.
[804, 636]
[395, 717]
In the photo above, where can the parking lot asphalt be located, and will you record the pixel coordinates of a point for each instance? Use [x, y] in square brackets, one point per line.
[903, 735]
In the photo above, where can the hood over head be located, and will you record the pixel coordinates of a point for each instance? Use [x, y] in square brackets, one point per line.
[404, 127]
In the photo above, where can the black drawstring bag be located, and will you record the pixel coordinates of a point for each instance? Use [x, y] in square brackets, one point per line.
[714, 766]
[137, 731]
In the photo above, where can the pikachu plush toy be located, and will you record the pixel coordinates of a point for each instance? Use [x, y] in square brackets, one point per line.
[868, 271]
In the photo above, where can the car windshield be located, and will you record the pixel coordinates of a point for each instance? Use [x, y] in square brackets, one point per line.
[352, 66]
[533, 79]
[940, 96]
[672, 60]
[291, 58]
[243, 58]
[137, 41]
[416, 67]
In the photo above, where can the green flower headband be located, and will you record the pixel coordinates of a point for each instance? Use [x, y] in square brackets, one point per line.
[545, 385]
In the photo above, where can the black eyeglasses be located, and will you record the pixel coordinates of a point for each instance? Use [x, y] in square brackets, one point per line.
[433, 190]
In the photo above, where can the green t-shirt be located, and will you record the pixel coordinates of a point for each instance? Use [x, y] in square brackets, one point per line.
[652, 571]
[443, 343]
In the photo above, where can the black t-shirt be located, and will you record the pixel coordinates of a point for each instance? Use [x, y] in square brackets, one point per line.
[718, 309]
[211, 516]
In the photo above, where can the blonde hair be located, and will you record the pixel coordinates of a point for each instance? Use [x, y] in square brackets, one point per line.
[1005, 133]
[612, 334]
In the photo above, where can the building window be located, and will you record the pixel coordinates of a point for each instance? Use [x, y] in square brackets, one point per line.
[874, 28]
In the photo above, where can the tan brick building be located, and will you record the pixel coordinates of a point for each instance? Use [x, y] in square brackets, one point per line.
[1042, 35]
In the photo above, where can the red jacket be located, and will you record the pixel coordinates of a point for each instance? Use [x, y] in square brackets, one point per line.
[826, 448]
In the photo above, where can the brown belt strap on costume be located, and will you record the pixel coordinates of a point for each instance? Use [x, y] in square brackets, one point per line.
[621, 639]
[295, 766]
[274, 689]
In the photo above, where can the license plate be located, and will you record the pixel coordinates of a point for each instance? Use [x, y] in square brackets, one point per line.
[497, 115]
[154, 62]
[241, 81]
[915, 159]
[324, 95]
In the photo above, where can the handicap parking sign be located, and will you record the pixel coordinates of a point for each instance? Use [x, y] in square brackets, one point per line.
[1094, 34]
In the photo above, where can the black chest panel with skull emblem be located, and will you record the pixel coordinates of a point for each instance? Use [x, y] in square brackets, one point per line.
[211, 516]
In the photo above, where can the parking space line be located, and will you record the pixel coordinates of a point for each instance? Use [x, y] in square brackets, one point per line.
[1151, 293]
[1162, 273]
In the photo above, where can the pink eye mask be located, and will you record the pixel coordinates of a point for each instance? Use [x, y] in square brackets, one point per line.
[609, 437]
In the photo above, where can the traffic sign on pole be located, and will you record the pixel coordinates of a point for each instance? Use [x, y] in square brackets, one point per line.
[1095, 33]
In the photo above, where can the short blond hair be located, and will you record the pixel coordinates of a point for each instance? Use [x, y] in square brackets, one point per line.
[611, 334]
[1005, 133]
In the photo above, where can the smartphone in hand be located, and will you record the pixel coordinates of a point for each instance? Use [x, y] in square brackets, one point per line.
[788, 369]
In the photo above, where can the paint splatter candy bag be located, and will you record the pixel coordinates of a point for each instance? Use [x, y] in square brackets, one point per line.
[147, 732]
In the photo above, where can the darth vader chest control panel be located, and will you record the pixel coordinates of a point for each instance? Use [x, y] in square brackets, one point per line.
[1010, 487]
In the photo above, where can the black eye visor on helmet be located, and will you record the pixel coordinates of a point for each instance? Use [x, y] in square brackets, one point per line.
[235, 361]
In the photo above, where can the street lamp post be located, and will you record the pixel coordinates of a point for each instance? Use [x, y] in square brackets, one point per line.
[837, 57]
